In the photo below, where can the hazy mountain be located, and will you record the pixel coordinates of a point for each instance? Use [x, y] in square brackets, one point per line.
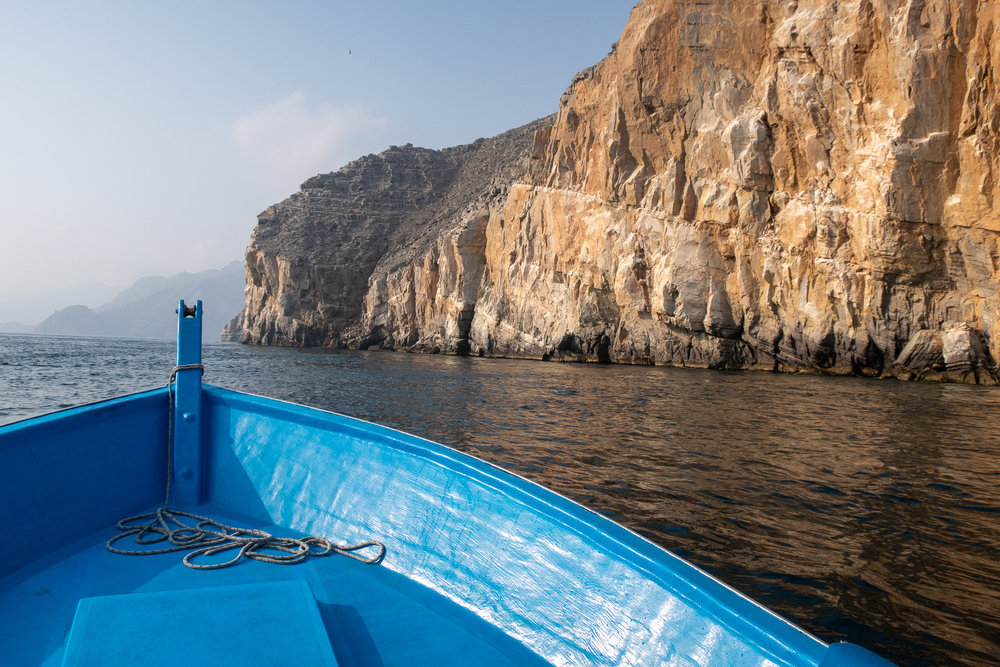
[146, 308]
[27, 308]
[146, 287]
[78, 320]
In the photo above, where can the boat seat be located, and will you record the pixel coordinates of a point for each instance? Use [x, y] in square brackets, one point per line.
[269, 623]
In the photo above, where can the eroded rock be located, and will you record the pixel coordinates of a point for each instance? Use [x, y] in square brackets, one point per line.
[791, 186]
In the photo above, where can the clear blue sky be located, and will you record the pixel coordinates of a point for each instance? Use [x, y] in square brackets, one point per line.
[141, 138]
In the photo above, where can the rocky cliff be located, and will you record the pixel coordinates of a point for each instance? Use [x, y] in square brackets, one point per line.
[782, 185]
[313, 256]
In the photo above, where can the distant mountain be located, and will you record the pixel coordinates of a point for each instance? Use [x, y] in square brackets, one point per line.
[146, 308]
[149, 286]
[25, 308]
[78, 320]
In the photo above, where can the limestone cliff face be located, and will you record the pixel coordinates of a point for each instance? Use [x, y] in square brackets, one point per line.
[789, 185]
[428, 304]
[803, 185]
[311, 257]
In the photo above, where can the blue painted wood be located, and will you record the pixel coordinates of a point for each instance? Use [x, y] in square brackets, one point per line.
[272, 623]
[568, 583]
[479, 562]
[844, 654]
[187, 487]
[70, 473]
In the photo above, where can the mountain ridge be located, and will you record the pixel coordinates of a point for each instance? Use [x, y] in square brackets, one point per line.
[146, 308]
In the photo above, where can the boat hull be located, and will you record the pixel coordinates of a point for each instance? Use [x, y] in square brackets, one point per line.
[479, 562]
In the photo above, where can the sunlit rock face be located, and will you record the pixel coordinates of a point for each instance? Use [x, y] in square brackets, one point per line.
[338, 263]
[786, 185]
[779, 185]
[427, 304]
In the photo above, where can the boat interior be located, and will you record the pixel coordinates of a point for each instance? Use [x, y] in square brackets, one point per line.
[478, 562]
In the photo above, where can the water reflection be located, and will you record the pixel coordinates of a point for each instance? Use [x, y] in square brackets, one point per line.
[864, 510]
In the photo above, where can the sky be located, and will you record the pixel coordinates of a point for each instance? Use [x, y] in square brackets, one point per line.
[143, 138]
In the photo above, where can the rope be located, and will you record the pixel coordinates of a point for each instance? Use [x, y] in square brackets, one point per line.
[209, 537]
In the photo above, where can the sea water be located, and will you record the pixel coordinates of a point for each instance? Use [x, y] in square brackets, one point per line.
[864, 510]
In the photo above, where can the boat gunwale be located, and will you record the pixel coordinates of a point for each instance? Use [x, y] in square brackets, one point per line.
[82, 407]
[728, 606]
[652, 560]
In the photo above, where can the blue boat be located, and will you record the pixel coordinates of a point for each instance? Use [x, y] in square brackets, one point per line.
[192, 525]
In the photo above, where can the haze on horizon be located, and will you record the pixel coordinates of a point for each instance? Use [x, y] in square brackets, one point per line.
[144, 138]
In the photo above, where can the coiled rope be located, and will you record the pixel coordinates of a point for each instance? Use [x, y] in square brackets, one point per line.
[208, 537]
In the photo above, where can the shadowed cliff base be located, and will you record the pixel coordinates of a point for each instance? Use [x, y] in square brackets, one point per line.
[791, 187]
